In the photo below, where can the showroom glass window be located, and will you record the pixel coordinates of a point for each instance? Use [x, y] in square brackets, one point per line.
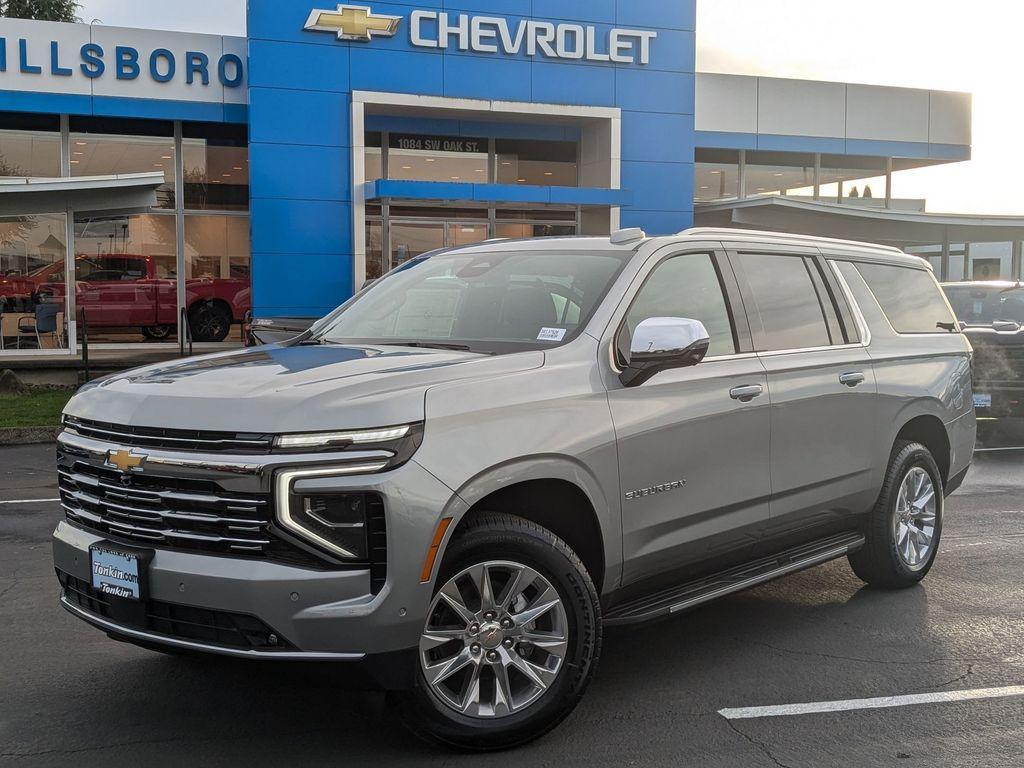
[29, 145]
[33, 249]
[852, 179]
[215, 167]
[716, 175]
[32, 277]
[126, 275]
[779, 173]
[539, 163]
[437, 158]
[100, 147]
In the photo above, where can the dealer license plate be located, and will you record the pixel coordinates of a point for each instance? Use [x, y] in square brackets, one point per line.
[115, 573]
[982, 401]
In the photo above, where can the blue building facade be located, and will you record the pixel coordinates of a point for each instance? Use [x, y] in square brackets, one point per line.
[300, 100]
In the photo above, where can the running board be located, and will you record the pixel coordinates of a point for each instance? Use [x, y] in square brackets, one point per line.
[694, 593]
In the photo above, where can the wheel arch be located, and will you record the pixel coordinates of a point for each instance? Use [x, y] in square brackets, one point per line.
[556, 493]
[929, 430]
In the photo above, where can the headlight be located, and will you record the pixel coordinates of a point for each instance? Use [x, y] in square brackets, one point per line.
[359, 437]
[334, 521]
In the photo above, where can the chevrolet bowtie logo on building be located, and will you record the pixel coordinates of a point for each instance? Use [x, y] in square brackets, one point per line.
[354, 22]
[126, 461]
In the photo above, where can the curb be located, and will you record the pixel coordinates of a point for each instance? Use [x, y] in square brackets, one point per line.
[28, 435]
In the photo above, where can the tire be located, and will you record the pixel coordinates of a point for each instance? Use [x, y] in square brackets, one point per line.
[505, 543]
[209, 321]
[889, 559]
[157, 332]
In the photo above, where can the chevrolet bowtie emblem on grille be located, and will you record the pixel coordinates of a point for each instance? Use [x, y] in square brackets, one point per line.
[126, 461]
[353, 22]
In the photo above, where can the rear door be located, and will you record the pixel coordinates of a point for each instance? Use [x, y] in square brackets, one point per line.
[693, 442]
[822, 386]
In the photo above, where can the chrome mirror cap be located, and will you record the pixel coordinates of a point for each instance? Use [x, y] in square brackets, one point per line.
[662, 343]
[665, 335]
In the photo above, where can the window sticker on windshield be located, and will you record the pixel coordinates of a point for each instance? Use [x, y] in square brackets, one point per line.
[551, 334]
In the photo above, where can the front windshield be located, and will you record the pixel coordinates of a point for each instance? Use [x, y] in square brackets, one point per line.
[984, 305]
[481, 302]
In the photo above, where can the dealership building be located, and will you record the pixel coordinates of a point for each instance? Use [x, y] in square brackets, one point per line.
[150, 176]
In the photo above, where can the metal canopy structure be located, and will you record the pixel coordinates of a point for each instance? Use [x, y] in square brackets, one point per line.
[853, 222]
[125, 193]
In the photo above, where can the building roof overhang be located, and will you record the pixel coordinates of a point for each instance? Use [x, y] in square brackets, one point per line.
[852, 222]
[85, 194]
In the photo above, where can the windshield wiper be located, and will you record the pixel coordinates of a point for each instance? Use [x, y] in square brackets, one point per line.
[428, 345]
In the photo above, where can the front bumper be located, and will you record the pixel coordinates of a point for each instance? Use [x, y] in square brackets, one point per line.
[322, 614]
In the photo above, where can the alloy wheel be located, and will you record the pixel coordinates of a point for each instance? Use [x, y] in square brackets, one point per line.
[914, 518]
[495, 639]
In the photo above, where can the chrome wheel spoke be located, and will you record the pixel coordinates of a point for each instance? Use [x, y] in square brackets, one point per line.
[540, 676]
[451, 595]
[502, 688]
[440, 672]
[541, 605]
[433, 638]
[555, 644]
[471, 703]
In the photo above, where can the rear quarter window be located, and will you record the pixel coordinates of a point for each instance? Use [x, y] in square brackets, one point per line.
[910, 298]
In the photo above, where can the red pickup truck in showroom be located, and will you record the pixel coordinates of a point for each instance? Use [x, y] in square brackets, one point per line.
[128, 291]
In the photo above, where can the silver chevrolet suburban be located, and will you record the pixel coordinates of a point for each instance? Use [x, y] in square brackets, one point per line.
[461, 476]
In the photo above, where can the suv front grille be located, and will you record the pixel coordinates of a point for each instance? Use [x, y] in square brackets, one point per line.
[165, 511]
[184, 622]
[175, 439]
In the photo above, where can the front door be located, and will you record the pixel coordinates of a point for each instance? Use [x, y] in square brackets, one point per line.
[693, 442]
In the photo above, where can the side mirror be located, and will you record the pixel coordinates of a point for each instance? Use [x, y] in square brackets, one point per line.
[662, 343]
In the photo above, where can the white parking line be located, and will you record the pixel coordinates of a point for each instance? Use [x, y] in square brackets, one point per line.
[29, 501]
[882, 702]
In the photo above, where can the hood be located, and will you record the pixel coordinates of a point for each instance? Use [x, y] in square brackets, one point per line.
[281, 388]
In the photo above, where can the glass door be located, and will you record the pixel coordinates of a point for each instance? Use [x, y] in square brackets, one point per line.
[412, 238]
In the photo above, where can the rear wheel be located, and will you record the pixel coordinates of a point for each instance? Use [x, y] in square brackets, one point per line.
[209, 321]
[511, 639]
[904, 528]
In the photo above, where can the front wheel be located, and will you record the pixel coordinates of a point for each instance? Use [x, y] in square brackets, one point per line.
[904, 528]
[511, 638]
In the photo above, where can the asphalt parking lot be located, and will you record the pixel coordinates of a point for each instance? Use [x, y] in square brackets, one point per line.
[70, 694]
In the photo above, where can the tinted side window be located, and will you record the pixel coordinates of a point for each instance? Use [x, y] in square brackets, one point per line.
[687, 286]
[787, 302]
[910, 298]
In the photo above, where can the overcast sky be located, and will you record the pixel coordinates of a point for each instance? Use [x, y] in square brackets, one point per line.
[944, 44]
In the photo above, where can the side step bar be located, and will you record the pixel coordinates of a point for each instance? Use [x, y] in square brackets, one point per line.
[694, 593]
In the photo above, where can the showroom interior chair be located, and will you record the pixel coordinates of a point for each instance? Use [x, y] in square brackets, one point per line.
[45, 321]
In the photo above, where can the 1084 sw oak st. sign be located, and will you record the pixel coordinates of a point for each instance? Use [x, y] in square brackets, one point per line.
[489, 34]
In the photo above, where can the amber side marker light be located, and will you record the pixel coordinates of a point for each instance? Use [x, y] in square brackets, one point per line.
[435, 546]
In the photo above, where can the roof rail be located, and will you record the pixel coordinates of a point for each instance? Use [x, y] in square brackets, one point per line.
[754, 234]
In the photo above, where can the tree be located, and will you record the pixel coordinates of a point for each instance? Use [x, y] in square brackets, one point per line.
[45, 10]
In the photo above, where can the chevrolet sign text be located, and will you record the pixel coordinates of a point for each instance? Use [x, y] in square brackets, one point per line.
[491, 34]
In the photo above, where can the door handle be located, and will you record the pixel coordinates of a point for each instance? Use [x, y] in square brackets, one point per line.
[852, 379]
[746, 393]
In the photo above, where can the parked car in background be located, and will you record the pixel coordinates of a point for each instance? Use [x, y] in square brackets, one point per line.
[460, 476]
[131, 291]
[992, 316]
